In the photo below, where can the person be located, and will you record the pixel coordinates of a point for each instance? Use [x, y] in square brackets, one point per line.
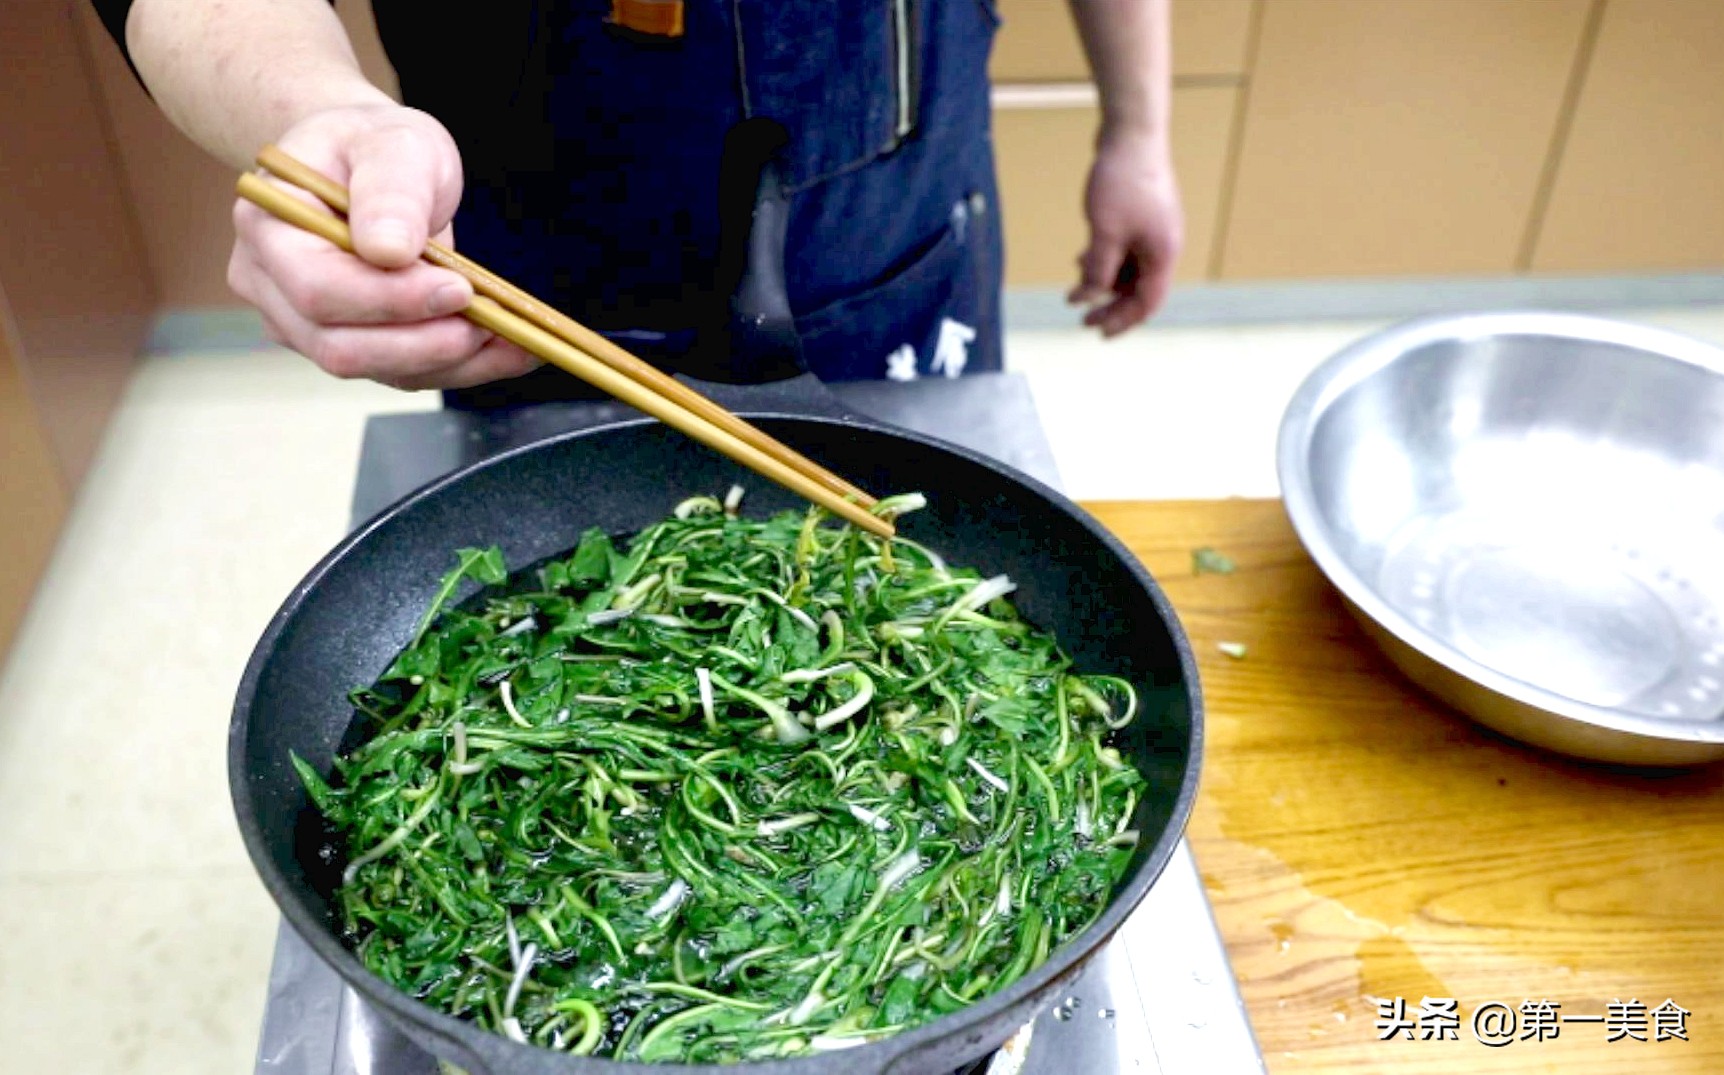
[576, 147]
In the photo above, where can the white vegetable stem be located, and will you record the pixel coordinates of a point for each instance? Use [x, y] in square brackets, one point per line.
[528, 955]
[703, 676]
[977, 596]
[783, 724]
[869, 818]
[988, 774]
[460, 766]
[508, 693]
[902, 867]
[668, 901]
[864, 694]
[785, 824]
[696, 505]
[902, 504]
[394, 839]
[809, 675]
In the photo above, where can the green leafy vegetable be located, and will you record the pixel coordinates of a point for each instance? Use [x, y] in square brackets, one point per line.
[1206, 561]
[732, 789]
[482, 565]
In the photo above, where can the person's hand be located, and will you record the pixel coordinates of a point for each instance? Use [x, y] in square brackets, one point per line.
[1136, 232]
[384, 314]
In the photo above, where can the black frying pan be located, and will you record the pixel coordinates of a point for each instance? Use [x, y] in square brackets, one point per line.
[343, 623]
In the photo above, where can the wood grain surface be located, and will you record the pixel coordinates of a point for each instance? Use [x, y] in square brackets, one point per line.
[1044, 156]
[1038, 41]
[1396, 137]
[1644, 143]
[1359, 841]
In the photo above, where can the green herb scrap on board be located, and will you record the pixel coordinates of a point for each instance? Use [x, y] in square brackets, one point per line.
[730, 789]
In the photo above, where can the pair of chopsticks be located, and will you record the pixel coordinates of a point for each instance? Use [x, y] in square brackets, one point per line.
[536, 327]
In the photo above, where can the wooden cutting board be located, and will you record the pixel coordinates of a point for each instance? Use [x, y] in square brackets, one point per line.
[1362, 843]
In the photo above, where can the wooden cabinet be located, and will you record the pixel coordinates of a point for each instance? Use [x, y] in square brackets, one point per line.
[71, 272]
[75, 299]
[1333, 138]
[1044, 155]
[1404, 137]
[1045, 122]
[1038, 41]
[32, 499]
[1638, 183]
[1210, 38]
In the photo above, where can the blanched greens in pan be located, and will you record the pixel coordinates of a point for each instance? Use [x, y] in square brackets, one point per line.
[730, 789]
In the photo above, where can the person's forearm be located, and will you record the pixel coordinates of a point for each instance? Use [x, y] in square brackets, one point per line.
[234, 74]
[1130, 55]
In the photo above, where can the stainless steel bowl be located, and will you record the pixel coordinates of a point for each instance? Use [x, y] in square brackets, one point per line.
[1526, 510]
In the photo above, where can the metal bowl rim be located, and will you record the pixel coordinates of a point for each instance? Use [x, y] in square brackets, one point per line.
[1351, 366]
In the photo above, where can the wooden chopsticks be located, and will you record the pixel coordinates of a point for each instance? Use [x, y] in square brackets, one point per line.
[517, 316]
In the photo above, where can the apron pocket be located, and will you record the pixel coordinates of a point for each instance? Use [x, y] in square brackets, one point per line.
[862, 336]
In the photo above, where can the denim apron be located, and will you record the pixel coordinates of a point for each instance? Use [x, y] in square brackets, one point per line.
[593, 153]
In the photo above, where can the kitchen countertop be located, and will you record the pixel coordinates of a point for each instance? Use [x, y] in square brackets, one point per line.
[1362, 843]
[226, 474]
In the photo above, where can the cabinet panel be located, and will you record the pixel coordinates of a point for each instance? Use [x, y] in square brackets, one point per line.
[1404, 137]
[71, 270]
[184, 197]
[1039, 43]
[1044, 157]
[1637, 186]
[1210, 37]
[32, 500]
